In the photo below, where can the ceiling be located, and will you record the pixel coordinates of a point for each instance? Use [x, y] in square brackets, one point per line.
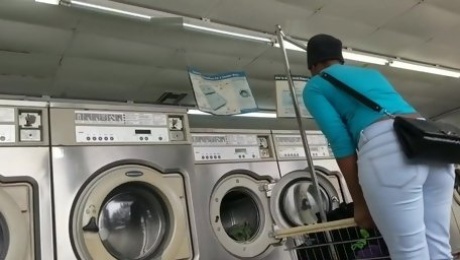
[67, 52]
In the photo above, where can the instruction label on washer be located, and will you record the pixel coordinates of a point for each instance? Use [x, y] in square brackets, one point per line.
[223, 94]
[284, 104]
[120, 118]
[6, 115]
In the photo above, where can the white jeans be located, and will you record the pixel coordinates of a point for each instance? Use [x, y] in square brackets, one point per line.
[409, 201]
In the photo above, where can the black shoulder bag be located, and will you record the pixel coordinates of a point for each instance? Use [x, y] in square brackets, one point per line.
[419, 138]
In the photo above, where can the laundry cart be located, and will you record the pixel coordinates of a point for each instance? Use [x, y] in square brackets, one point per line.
[336, 239]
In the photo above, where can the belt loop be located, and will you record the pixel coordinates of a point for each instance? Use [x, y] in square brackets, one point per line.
[362, 139]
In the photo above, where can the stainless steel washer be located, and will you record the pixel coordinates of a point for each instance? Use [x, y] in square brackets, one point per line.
[239, 197]
[291, 159]
[26, 227]
[121, 182]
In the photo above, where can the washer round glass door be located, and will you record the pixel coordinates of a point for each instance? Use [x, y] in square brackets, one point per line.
[240, 217]
[133, 222]
[14, 232]
[294, 201]
[4, 237]
[131, 212]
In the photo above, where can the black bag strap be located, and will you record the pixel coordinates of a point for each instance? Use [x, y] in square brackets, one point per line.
[347, 89]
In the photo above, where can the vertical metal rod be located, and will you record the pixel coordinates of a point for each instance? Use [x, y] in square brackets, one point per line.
[301, 128]
[303, 133]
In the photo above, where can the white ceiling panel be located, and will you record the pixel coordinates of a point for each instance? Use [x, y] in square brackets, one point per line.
[85, 89]
[313, 5]
[26, 85]
[162, 80]
[434, 53]
[260, 14]
[28, 65]
[200, 42]
[370, 12]
[23, 37]
[208, 63]
[28, 11]
[348, 31]
[450, 39]
[116, 76]
[157, 31]
[424, 21]
[121, 51]
[388, 42]
[447, 5]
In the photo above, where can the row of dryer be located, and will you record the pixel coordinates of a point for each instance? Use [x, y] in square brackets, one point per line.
[105, 181]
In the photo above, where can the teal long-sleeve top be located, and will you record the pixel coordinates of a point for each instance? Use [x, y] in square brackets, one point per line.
[341, 117]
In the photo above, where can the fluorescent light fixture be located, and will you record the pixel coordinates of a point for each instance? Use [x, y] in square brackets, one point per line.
[364, 58]
[253, 114]
[225, 32]
[197, 112]
[346, 54]
[51, 2]
[109, 9]
[258, 114]
[289, 46]
[423, 68]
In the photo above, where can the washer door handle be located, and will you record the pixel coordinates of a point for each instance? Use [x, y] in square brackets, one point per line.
[91, 226]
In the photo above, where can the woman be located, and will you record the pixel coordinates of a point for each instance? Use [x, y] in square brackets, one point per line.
[408, 201]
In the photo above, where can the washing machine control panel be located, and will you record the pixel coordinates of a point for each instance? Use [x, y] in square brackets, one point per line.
[21, 125]
[290, 146]
[99, 134]
[105, 127]
[231, 147]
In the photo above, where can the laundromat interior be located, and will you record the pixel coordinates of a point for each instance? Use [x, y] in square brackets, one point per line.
[178, 129]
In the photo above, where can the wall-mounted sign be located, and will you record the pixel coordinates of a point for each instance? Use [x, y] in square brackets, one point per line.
[222, 94]
[284, 104]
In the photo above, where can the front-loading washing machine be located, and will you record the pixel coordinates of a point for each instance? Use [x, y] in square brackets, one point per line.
[239, 198]
[121, 182]
[25, 195]
[292, 160]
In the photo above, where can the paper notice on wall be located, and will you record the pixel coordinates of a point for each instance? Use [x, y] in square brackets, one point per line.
[222, 94]
[284, 104]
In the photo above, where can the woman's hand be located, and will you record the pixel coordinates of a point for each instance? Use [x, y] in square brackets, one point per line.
[362, 216]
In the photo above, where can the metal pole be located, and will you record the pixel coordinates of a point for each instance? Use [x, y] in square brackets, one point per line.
[303, 133]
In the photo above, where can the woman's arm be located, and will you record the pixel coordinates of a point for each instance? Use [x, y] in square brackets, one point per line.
[331, 124]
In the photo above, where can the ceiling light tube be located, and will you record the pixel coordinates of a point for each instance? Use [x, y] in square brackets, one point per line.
[110, 9]
[364, 58]
[51, 2]
[424, 68]
[289, 46]
[197, 112]
[253, 114]
[227, 32]
[258, 114]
